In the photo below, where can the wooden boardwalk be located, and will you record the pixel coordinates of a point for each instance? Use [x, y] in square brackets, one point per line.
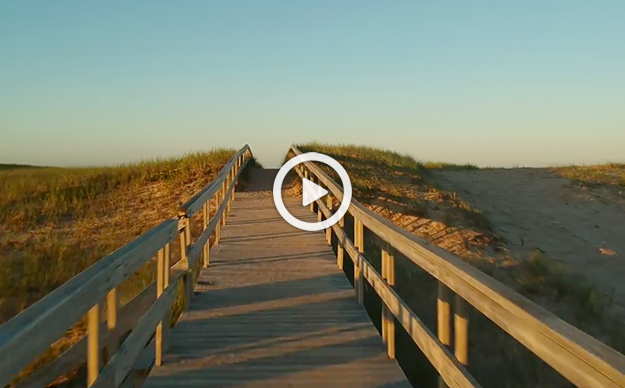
[273, 310]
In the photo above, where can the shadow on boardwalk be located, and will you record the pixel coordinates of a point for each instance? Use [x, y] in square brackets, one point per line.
[273, 310]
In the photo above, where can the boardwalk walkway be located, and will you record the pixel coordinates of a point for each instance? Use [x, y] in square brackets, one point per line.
[273, 310]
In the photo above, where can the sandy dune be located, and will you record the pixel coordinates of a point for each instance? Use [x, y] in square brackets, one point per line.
[535, 208]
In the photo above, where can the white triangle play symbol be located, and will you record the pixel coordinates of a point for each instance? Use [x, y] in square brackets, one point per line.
[311, 192]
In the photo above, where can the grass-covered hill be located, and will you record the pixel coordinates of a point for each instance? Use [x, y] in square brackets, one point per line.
[55, 222]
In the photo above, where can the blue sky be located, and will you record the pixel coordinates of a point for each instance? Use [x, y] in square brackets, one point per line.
[488, 82]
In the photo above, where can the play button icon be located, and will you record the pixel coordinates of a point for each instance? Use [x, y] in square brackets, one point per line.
[311, 192]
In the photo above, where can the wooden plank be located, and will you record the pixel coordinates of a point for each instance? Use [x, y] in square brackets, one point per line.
[583, 360]
[273, 310]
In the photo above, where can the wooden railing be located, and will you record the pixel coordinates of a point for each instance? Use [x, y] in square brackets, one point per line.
[135, 335]
[580, 358]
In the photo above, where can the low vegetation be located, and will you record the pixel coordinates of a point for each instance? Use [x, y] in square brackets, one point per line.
[449, 166]
[402, 189]
[605, 182]
[611, 174]
[55, 222]
[405, 191]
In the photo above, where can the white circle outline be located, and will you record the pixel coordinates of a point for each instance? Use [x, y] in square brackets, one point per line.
[312, 157]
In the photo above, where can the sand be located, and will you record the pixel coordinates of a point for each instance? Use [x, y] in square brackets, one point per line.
[535, 208]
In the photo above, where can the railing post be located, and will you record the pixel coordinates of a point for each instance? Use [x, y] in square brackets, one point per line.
[112, 304]
[235, 169]
[93, 345]
[388, 320]
[359, 235]
[166, 273]
[461, 330]
[167, 265]
[340, 252]
[231, 196]
[319, 213]
[187, 229]
[206, 218]
[182, 234]
[329, 228]
[188, 277]
[111, 309]
[443, 307]
[358, 275]
[160, 286]
[223, 198]
[312, 204]
[218, 226]
[444, 314]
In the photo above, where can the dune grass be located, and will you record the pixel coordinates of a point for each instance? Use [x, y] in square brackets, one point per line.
[609, 174]
[399, 182]
[55, 221]
[450, 166]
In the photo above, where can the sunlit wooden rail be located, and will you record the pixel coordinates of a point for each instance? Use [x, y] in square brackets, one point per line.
[135, 335]
[580, 358]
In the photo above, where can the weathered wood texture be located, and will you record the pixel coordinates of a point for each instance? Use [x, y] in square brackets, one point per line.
[274, 310]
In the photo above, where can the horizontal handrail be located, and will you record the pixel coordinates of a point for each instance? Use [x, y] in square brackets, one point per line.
[440, 357]
[24, 339]
[33, 331]
[582, 359]
[76, 355]
[195, 251]
[120, 365]
[194, 205]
